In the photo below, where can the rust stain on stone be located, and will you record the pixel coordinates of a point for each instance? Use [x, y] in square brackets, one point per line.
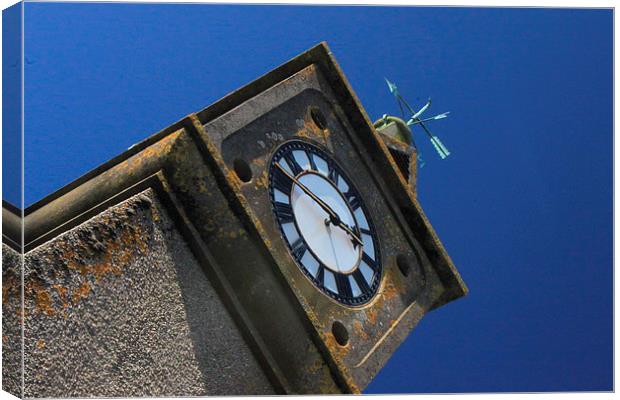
[81, 292]
[262, 182]
[155, 213]
[319, 372]
[359, 330]
[311, 131]
[234, 180]
[371, 315]
[304, 134]
[42, 299]
[259, 162]
[118, 252]
[62, 294]
[10, 287]
[103, 248]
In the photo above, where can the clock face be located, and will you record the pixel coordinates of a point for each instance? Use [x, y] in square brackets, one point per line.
[325, 223]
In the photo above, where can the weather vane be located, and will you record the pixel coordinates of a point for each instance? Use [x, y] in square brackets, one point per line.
[414, 118]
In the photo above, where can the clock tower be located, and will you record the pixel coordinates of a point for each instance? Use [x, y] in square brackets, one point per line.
[270, 243]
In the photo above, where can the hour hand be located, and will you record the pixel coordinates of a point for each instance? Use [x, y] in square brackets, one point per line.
[354, 238]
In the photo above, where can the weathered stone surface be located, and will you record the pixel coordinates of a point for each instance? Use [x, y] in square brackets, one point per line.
[11, 317]
[119, 306]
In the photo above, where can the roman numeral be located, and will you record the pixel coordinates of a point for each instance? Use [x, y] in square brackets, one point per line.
[361, 281]
[333, 174]
[365, 231]
[371, 263]
[353, 200]
[358, 233]
[282, 182]
[312, 163]
[298, 248]
[295, 167]
[320, 275]
[343, 285]
[284, 211]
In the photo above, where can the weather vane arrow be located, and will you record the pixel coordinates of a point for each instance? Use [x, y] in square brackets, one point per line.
[413, 117]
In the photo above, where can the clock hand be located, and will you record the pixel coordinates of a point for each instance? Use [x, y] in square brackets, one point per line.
[348, 230]
[331, 241]
[334, 218]
[332, 215]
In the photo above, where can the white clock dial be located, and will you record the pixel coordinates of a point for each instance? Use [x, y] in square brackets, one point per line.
[333, 246]
[324, 222]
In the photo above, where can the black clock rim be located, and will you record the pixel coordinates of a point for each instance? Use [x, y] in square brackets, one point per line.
[330, 158]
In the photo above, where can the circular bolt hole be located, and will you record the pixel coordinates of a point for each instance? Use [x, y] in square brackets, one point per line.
[404, 265]
[340, 333]
[318, 118]
[242, 169]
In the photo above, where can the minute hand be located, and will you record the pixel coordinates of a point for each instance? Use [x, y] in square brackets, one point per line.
[334, 217]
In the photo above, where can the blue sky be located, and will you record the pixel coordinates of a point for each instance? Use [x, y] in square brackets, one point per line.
[523, 205]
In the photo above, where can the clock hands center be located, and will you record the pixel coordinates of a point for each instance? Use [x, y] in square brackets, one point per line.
[334, 218]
